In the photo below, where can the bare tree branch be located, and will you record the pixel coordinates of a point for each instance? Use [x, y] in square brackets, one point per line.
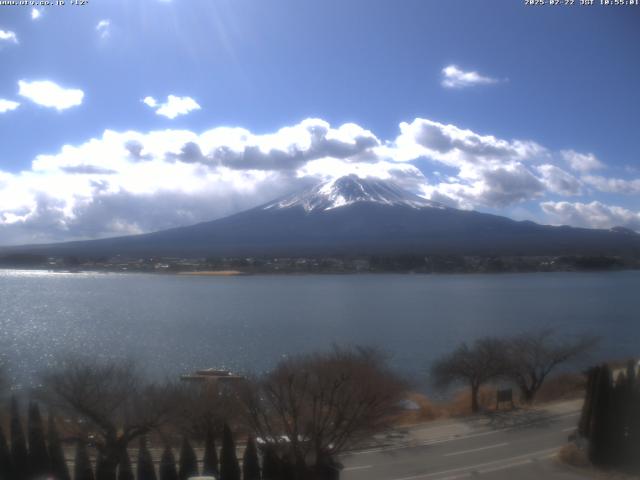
[532, 356]
[317, 405]
[109, 400]
[474, 365]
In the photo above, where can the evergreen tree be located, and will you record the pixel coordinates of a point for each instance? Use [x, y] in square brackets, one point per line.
[287, 468]
[6, 464]
[631, 374]
[612, 420]
[146, 470]
[618, 420]
[188, 461]
[101, 470]
[271, 468]
[82, 469]
[634, 423]
[210, 459]
[39, 465]
[630, 408]
[168, 470]
[327, 468]
[19, 452]
[250, 462]
[599, 452]
[584, 424]
[59, 468]
[125, 471]
[229, 466]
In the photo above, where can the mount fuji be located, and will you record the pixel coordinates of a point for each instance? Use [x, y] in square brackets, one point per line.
[355, 216]
[349, 190]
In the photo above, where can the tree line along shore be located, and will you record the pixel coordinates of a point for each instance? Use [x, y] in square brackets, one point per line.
[408, 263]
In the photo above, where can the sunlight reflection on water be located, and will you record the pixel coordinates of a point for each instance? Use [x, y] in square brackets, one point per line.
[174, 324]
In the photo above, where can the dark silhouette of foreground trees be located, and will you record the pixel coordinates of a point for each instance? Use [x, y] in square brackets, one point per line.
[610, 418]
[229, 466]
[145, 470]
[6, 464]
[59, 469]
[168, 470]
[188, 461]
[304, 413]
[82, 469]
[210, 458]
[312, 407]
[19, 452]
[125, 470]
[526, 360]
[250, 462]
[112, 401]
[271, 469]
[39, 464]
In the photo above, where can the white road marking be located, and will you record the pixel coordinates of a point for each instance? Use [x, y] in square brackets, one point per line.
[511, 461]
[495, 469]
[361, 467]
[516, 464]
[462, 452]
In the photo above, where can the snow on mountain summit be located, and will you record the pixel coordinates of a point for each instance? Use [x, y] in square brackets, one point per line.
[351, 189]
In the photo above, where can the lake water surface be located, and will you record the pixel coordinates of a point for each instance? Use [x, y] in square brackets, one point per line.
[174, 324]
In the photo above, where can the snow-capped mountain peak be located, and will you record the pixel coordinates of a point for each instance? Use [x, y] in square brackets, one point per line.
[351, 189]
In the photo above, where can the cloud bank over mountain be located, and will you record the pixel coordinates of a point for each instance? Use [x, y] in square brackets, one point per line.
[132, 182]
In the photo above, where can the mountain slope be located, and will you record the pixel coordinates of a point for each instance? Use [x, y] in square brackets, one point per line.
[355, 216]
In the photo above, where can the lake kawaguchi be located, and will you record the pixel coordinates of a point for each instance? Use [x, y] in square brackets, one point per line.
[174, 324]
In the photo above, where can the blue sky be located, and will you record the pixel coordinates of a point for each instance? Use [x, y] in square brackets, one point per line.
[531, 112]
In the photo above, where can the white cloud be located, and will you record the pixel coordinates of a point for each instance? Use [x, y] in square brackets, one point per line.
[558, 181]
[593, 215]
[50, 94]
[132, 182]
[173, 107]
[8, 105]
[150, 101]
[581, 162]
[490, 171]
[35, 14]
[104, 28]
[613, 185]
[458, 147]
[491, 187]
[8, 36]
[454, 77]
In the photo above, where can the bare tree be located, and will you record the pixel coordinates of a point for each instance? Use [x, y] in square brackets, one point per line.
[474, 365]
[532, 356]
[202, 409]
[316, 405]
[109, 400]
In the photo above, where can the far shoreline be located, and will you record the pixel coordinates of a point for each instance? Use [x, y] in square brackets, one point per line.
[240, 273]
[212, 273]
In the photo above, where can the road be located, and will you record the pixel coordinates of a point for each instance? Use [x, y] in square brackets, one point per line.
[505, 446]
